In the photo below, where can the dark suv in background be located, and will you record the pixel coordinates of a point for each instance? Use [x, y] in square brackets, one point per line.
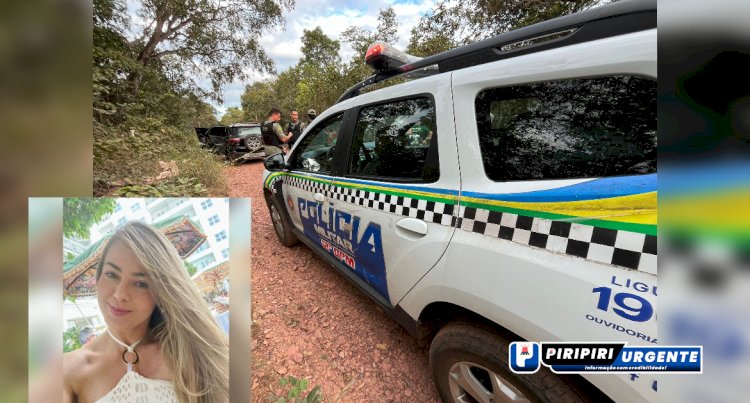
[239, 140]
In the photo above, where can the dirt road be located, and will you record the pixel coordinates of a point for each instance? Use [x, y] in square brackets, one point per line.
[309, 322]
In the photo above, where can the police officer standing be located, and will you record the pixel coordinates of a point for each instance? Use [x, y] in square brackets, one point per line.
[273, 135]
[311, 114]
[294, 128]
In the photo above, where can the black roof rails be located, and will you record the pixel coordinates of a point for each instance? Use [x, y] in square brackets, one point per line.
[613, 19]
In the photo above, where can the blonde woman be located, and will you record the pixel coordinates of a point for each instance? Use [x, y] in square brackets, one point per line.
[161, 344]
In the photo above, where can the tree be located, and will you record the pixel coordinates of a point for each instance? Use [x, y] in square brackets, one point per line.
[455, 23]
[232, 115]
[217, 40]
[200, 113]
[320, 88]
[360, 39]
[285, 89]
[257, 100]
[145, 112]
[320, 80]
[79, 214]
[435, 32]
[319, 50]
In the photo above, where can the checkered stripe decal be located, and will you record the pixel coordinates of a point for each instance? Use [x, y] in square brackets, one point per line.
[616, 247]
[309, 186]
[273, 181]
[430, 211]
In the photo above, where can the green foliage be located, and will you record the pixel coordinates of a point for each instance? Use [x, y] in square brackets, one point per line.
[71, 341]
[285, 90]
[233, 115]
[455, 23]
[199, 113]
[319, 50]
[171, 188]
[257, 100]
[320, 77]
[79, 214]
[320, 88]
[190, 268]
[145, 105]
[426, 42]
[69, 257]
[207, 40]
[360, 39]
[296, 388]
[131, 160]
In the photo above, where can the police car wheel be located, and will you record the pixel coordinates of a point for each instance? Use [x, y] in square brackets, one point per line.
[470, 364]
[280, 224]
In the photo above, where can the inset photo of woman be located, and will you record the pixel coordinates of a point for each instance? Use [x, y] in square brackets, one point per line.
[146, 300]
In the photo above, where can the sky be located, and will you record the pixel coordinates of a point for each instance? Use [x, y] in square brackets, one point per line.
[333, 16]
[283, 44]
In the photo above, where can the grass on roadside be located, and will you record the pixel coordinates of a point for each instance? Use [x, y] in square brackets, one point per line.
[126, 162]
[294, 393]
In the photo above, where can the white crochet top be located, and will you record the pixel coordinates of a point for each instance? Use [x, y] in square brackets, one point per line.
[136, 388]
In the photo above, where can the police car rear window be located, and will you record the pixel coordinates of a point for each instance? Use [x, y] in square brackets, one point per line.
[568, 129]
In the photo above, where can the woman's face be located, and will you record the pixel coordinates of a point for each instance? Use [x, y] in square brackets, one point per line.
[123, 290]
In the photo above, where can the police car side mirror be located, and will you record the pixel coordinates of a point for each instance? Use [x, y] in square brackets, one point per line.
[275, 162]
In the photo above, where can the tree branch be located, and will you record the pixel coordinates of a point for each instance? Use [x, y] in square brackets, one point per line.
[193, 51]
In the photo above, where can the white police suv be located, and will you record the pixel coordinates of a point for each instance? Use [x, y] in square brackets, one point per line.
[507, 194]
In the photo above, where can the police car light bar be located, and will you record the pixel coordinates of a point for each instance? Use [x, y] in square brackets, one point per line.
[384, 57]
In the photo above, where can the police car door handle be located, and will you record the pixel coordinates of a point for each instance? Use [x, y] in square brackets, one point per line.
[414, 225]
[319, 197]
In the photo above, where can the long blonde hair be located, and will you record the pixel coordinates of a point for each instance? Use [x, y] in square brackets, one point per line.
[193, 347]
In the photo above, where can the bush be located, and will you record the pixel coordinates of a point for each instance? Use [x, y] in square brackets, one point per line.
[71, 341]
[126, 161]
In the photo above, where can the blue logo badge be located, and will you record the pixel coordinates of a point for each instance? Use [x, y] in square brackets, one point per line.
[524, 357]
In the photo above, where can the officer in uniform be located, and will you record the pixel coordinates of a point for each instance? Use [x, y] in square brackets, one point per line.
[311, 114]
[295, 128]
[273, 135]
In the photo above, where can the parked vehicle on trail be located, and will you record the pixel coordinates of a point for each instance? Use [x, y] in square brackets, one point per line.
[236, 141]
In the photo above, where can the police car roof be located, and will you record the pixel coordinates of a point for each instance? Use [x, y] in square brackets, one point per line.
[613, 19]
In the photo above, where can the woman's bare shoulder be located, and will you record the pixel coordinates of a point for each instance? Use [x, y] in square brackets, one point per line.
[80, 364]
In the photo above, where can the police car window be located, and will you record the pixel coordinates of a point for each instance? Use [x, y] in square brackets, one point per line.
[316, 150]
[396, 141]
[568, 129]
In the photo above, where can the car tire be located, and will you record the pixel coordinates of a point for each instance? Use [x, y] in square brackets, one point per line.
[470, 363]
[281, 224]
[253, 143]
